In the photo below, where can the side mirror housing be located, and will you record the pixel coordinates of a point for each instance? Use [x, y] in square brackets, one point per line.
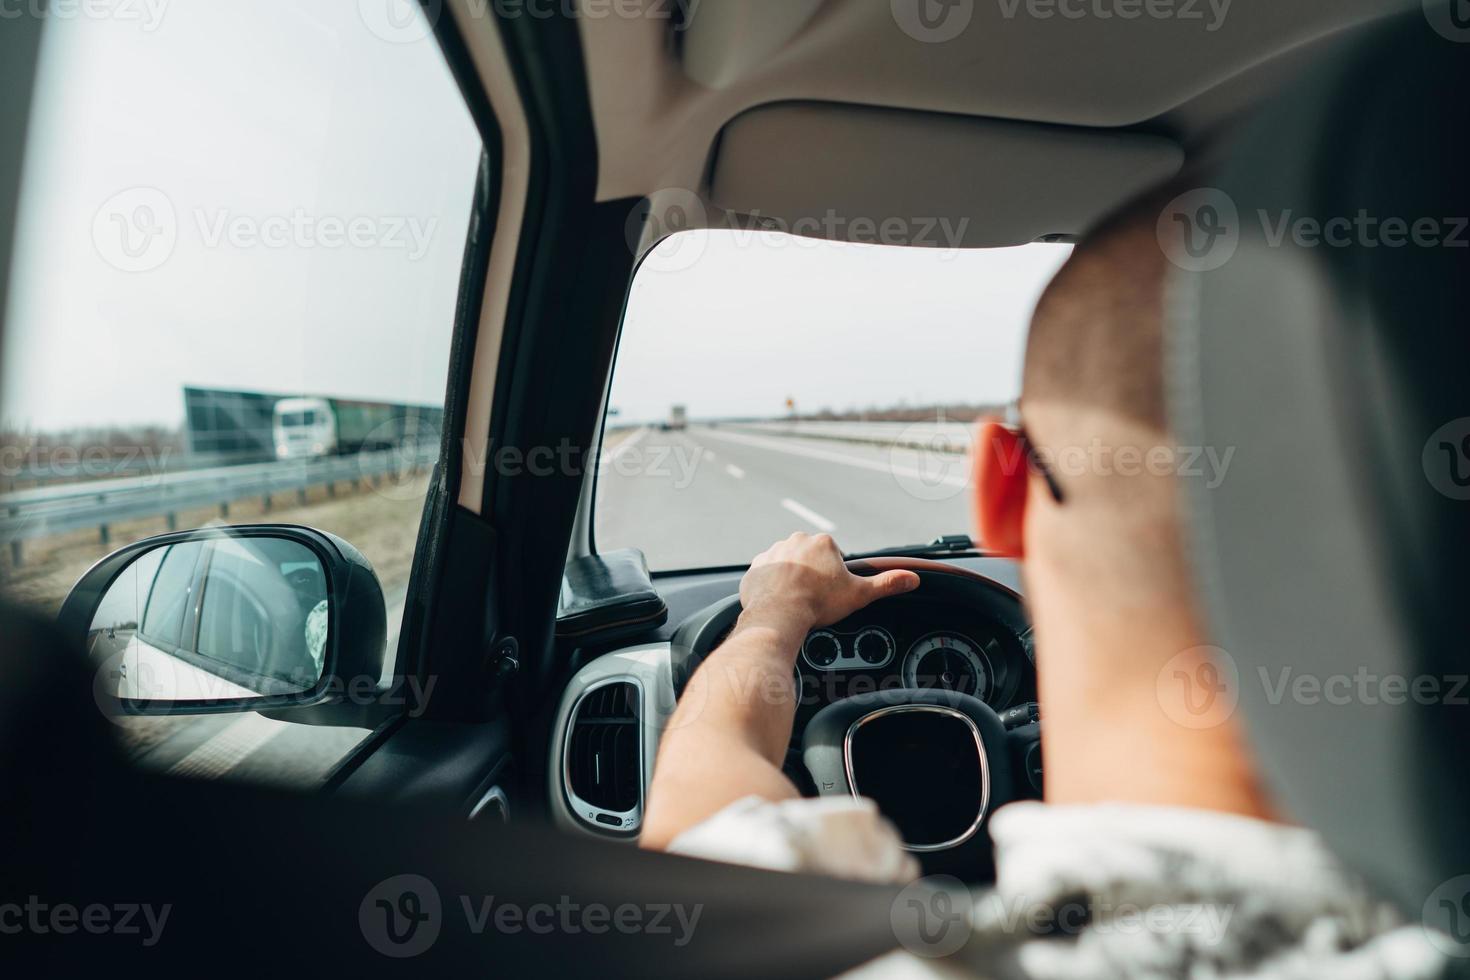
[234, 619]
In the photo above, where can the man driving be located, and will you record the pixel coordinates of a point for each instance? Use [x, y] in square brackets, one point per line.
[1149, 798]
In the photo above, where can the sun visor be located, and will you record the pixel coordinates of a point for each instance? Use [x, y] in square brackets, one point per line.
[850, 173]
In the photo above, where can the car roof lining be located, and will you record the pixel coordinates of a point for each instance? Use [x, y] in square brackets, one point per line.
[664, 94]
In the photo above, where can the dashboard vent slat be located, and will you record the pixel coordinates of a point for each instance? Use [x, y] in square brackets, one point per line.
[604, 755]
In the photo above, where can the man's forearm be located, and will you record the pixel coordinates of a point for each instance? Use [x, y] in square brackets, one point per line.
[727, 738]
[734, 721]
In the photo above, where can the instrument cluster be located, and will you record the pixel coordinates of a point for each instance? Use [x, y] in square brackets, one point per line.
[916, 642]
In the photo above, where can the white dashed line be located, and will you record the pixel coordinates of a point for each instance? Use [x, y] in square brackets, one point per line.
[628, 444]
[228, 747]
[735, 471]
[810, 516]
[623, 447]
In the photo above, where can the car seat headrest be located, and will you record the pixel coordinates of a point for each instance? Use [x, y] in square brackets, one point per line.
[1318, 330]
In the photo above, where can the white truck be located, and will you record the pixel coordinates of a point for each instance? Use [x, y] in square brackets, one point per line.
[304, 428]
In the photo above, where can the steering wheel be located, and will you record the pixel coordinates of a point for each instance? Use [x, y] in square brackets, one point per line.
[937, 762]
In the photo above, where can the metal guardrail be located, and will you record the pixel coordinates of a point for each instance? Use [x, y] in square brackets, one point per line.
[14, 480]
[42, 512]
[942, 437]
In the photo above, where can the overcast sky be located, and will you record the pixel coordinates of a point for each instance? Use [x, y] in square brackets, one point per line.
[238, 114]
[233, 115]
[736, 323]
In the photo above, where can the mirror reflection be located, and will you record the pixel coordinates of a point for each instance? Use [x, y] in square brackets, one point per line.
[206, 620]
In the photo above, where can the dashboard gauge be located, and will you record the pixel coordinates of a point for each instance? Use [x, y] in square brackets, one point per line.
[822, 648]
[949, 662]
[874, 647]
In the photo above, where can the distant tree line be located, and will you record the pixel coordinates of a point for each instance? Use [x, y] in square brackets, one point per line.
[905, 413]
[35, 458]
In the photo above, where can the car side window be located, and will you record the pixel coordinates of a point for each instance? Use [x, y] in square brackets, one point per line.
[237, 260]
[170, 593]
[254, 615]
[234, 625]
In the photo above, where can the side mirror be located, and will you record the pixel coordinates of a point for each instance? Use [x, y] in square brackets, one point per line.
[231, 619]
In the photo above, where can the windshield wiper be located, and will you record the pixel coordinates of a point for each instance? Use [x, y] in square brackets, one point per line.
[949, 544]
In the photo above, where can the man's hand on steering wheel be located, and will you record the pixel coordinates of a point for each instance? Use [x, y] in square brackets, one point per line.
[802, 583]
[792, 588]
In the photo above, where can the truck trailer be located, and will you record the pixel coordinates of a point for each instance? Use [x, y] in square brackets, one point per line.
[307, 427]
[226, 428]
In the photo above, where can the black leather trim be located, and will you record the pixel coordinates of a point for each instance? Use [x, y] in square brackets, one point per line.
[608, 594]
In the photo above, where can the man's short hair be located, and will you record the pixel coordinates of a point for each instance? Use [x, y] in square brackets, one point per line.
[1094, 376]
[1097, 336]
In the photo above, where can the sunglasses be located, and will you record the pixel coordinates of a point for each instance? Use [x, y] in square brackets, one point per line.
[1033, 458]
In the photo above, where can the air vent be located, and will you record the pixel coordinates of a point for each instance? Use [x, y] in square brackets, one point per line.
[604, 757]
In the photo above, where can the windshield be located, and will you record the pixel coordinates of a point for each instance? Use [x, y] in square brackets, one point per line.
[767, 384]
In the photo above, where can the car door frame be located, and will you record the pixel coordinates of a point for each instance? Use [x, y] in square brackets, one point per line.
[480, 624]
[20, 48]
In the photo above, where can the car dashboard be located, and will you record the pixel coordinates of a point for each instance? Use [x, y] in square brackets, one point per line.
[969, 635]
[911, 642]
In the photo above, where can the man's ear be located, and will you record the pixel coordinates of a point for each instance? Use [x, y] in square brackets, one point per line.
[1000, 484]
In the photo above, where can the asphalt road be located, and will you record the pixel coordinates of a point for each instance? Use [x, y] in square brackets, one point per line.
[719, 496]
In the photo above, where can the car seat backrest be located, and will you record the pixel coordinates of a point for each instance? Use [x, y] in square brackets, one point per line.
[1318, 331]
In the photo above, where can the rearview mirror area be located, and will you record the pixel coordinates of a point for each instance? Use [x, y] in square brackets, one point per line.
[229, 619]
[214, 620]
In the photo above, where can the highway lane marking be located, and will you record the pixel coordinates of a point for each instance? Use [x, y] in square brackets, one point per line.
[624, 447]
[735, 471]
[810, 516]
[629, 443]
[228, 748]
[809, 452]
